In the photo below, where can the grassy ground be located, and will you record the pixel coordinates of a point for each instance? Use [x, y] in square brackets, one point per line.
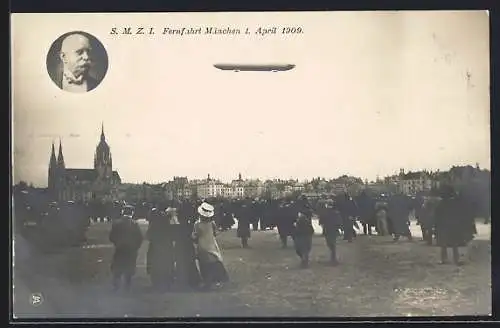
[376, 278]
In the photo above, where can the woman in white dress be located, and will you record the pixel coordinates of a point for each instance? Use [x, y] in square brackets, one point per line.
[209, 256]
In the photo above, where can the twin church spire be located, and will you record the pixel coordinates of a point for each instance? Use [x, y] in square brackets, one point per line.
[59, 161]
[102, 155]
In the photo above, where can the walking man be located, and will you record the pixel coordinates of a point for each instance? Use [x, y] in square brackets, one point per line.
[127, 238]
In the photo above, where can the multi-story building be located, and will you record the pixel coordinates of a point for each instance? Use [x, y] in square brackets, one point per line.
[238, 187]
[99, 183]
[178, 188]
[412, 183]
[210, 188]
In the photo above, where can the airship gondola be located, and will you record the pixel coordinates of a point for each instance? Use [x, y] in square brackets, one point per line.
[254, 68]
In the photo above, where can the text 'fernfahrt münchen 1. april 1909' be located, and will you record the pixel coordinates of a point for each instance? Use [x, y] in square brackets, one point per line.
[174, 31]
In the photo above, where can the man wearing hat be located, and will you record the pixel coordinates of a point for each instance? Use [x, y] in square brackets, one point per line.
[285, 217]
[302, 237]
[244, 214]
[454, 223]
[347, 209]
[332, 221]
[127, 237]
[209, 256]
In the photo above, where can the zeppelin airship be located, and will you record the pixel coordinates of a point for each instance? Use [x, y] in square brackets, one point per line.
[255, 67]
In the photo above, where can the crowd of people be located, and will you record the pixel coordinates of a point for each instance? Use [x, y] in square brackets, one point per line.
[182, 235]
[183, 246]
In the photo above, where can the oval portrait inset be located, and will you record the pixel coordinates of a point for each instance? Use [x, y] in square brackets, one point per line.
[77, 62]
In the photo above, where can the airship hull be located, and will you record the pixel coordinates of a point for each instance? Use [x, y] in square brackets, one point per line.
[254, 68]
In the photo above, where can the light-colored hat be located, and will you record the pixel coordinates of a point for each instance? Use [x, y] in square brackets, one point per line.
[206, 210]
[171, 210]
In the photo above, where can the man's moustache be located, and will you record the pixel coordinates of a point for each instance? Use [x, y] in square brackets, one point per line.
[85, 65]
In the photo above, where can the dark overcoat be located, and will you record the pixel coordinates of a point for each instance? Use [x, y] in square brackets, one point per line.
[127, 237]
[454, 223]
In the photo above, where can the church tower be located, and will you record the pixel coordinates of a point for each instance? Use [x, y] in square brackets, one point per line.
[103, 163]
[60, 173]
[52, 181]
[60, 158]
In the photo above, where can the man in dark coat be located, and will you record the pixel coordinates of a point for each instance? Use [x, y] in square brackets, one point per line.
[285, 219]
[331, 221]
[347, 209]
[304, 231]
[265, 217]
[399, 211]
[244, 215]
[302, 236]
[454, 224]
[366, 207]
[127, 238]
[424, 213]
[270, 212]
[227, 216]
[255, 214]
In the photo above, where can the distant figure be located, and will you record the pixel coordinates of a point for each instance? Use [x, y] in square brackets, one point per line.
[209, 256]
[366, 206]
[244, 215]
[454, 224]
[347, 208]
[269, 214]
[302, 237]
[227, 217]
[331, 220]
[285, 219]
[127, 238]
[254, 214]
[399, 212]
[425, 218]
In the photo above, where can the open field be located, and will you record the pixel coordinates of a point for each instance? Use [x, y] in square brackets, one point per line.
[376, 278]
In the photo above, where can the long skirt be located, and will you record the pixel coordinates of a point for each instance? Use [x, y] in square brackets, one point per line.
[187, 272]
[211, 269]
[161, 265]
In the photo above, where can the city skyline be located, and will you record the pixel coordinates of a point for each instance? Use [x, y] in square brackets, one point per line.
[390, 90]
[239, 176]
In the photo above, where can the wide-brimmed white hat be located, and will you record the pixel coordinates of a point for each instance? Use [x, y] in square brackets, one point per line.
[206, 210]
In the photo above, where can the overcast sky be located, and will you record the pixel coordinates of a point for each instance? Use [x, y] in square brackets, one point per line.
[371, 92]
